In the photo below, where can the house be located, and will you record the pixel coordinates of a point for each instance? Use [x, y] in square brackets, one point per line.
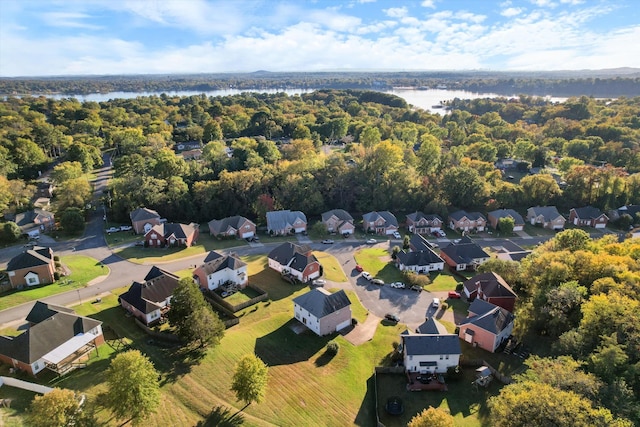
[323, 312]
[427, 353]
[423, 261]
[467, 221]
[431, 326]
[490, 287]
[57, 339]
[33, 222]
[151, 299]
[32, 267]
[418, 243]
[495, 216]
[420, 223]
[219, 269]
[143, 219]
[546, 217]
[238, 226]
[172, 234]
[383, 222]
[509, 251]
[631, 210]
[487, 325]
[295, 260]
[464, 255]
[44, 189]
[338, 221]
[281, 223]
[588, 216]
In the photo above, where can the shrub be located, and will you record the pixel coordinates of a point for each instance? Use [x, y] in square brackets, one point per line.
[58, 264]
[56, 276]
[332, 348]
[56, 258]
[416, 279]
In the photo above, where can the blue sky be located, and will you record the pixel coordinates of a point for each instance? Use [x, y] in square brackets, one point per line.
[79, 37]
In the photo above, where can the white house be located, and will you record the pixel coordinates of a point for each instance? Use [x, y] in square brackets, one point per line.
[322, 311]
[296, 260]
[430, 353]
[422, 261]
[219, 269]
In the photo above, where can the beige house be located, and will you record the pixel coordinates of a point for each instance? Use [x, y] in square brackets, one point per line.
[546, 217]
[495, 216]
[467, 221]
[143, 220]
[32, 267]
[383, 222]
[232, 226]
[323, 312]
[338, 221]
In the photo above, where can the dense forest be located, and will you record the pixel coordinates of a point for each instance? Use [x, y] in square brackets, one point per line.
[198, 158]
[600, 84]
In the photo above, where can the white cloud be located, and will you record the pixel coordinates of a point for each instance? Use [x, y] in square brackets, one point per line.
[572, 2]
[69, 20]
[428, 3]
[396, 12]
[543, 3]
[511, 11]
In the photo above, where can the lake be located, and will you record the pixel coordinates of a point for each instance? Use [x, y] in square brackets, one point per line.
[424, 99]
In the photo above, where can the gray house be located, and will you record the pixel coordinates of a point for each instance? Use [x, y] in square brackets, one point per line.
[322, 311]
[281, 223]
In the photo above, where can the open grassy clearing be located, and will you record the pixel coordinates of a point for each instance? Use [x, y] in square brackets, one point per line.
[376, 262]
[330, 267]
[442, 281]
[83, 270]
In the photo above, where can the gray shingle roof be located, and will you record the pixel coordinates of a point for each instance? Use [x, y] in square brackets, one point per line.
[506, 213]
[220, 263]
[341, 214]
[157, 287]
[219, 226]
[42, 310]
[464, 253]
[492, 284]
[142, 214]
[25, 219]
[419, 258]
[279, 220]
[495, 320]
[427, 344]
[417, 216]
[321, 303]
[390, 219]
[549, 213]
[588, 212]
[419, 243]
[180, 231]
[473, 216]
[433, 327]
[31, 258]
[295, 256]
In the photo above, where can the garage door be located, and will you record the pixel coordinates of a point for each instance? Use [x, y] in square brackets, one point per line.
[247, 234]
[300, 229]
[343, 325]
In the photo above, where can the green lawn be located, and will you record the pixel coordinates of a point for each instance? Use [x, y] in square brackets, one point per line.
[331, 267]
[442, 281]
[378, 262]
[83, 270]
[533, 230]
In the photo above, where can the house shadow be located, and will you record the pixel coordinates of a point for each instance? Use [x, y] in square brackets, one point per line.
[366, 415]
[221, 416]
[284, 347]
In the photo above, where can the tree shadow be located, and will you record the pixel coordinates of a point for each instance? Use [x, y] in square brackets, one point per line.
[324, 358]
[367, 413]
[183, 359]
[221, 416]
[284, 347]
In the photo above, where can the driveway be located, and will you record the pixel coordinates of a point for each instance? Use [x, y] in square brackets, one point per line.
[363, 332]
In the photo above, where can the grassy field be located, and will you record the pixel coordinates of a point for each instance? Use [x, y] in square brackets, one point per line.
[377, 262]
[442, 281]
[331, 267]
[83, 270]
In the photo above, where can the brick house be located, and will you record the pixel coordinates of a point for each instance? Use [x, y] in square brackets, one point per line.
[546, 216]
[420, 223]
[33, 222]
[588, 216]
[383, 222]
[464, 255]
[495, 216]
[296, 260]
[232, 226]
[338, 221]
[143, 219]
[467, 221]
[323, 312]
[487, 325]
[32, 267]
[281, 223]
[172, 234]
[490, 287]
[151, 299]
[218, 269]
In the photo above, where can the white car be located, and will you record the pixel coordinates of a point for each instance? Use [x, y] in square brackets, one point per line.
[436, 303]
[125, 228]
[371, 242]
[397, 285]
[113, 230]
[397, 235]
[319, 282]
[367, 275]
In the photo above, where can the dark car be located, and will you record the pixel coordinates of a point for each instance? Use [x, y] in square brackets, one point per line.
[392, 317]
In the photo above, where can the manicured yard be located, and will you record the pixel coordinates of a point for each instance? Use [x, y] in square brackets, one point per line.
[206, 243]
[377, 262]
[442, 281]
[331, 267]
[83, 270]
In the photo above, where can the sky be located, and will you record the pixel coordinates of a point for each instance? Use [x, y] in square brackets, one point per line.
[107, 37]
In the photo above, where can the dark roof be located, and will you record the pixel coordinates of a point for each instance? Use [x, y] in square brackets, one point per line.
[221, 225]
[433, 327]
[181, 231]
[27, 218]
[211, 256]
[218, 264]
[157, 287]
[142, 214]
[341, 214]
[492, 284]
[473, 216]
[422, 257]
[418, 243]
[428, 344]
[519, 256]
[464, 253]
[389, 218]
[285, 252]
[279, 220]
[45, 336]
[495, 320]
[31, 258]
[629, 210]
[417, 216]
[321, 303]
[42, 310]
[508, 213]
[588, 212]
[549, 213]
[509, 246]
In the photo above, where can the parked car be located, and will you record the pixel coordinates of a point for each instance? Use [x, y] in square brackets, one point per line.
[454, 295]
[439, 233]
[397, 285]
[367, 275]
[416, 288]
[319, 282]
[327, 241]
[371, 241]
[392, 317]
[397, 235]
[140, 243]
[378, 282]
[30, 244]
[436, 303]
[113, 230]
[126, 228]
[359, 268]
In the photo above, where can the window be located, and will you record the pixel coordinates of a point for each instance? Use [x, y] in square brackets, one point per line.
[32, 280]
[447, 357]
[441, 357]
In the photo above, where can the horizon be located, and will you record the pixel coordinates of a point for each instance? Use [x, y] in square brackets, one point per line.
[145, 37]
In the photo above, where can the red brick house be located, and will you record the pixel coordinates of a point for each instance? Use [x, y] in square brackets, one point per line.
[588, 217]
[383, 222]
[467, 221]
[238, 226]
[172, 234]
[296, 260]
[420, 223]
[490, 287]
[32, 267]
[143, 219]
[338, 221]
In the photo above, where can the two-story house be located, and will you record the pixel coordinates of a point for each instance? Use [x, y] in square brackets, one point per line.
[323, 312]
[295, 260]
[495, 216]
[151, 299]
[490, 287]
[218, 269]
[281, 223]
[487, 325]
[467, 221]
[588, 216]
[338, 221]
[238, 226]
[546, 216]
[383, 222]
[172, 234]
[143, 219]
[32, 267]
[420, 223]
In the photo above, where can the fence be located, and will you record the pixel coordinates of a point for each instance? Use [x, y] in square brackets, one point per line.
[160, 335]
[235, 308]
[25, 385]
[476, 363]
[233, 319]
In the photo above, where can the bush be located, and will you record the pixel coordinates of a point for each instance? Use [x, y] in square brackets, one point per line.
[58, 264]
[56, 276]
[332, 348]
[412, 278]
[56, 258]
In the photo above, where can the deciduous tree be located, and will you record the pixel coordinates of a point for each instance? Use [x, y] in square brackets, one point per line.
[432, 417]
[250, 379]
[58, 408]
